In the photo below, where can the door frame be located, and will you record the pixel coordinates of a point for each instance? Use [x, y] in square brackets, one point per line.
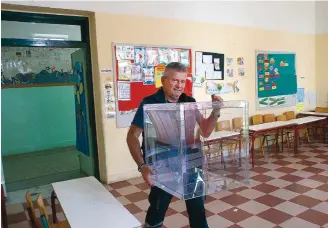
[83, 22]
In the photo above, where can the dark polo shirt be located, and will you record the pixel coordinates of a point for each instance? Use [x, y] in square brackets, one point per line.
[156, 98]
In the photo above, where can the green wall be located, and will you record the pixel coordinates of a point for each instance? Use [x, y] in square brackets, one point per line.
[37, 118]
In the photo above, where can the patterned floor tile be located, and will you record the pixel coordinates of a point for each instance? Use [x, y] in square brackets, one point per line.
[286, 190]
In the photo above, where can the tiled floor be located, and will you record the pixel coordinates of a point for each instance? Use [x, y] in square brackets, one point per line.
[286, 191]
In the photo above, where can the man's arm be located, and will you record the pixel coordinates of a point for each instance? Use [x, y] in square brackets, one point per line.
[132, 140]
[207, 125]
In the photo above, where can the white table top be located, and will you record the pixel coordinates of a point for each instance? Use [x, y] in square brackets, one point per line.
[314, 113]
[87, 203]
[221, 134]
[266, 126]
[305, 120]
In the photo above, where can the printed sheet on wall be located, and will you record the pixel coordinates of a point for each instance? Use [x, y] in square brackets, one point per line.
[137, 74]
[276, 80]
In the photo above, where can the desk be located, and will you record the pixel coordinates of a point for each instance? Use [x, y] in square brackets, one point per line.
[87, 203]
[221, 135]
[312, 114]
[303, 122]
[260, 129]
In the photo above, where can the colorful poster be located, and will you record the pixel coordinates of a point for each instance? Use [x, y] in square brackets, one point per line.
[272, 101]
[124, 70]
[241, 72]
[148, 73]
[109, 100]
[82, 142]
[276, 75]
[184, 57]
[140, 55]
[159, 72]
[300, 99]
[222, 88]
[137, 75]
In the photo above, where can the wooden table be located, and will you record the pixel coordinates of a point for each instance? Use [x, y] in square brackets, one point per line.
[87, 203]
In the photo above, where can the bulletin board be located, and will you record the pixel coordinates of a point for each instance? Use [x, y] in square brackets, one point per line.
[276, 79]
[137, 74]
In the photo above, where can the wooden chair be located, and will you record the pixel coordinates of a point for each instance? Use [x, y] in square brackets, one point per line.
[31, 210]
[285, 133]
[321, 109]
[269, 118]
[291, 115]
[237, 123]
[45, 219]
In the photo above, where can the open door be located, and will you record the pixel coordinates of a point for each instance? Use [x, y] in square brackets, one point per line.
[84, 140]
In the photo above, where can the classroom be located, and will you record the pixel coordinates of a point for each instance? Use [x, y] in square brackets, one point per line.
[74, 74]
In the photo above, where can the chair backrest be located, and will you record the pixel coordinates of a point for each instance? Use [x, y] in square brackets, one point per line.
[321, 109]
[281, 118]
[268, 118]
[43, 211]
[290, 115]
[30, 209]
[237, 123]
[257, 119]
[223, 125]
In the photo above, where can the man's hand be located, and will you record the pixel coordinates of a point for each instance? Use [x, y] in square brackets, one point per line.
[146, 171]
[216, 98]
[216, 111]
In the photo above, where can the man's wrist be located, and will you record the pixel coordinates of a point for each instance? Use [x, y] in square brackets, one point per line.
[141, 166]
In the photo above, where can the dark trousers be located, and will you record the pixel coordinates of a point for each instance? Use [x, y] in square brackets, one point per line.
[159, 202]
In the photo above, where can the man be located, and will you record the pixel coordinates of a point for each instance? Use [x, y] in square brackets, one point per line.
[173, 82]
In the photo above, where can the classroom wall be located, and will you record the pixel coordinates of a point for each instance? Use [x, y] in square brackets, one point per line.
[321, 69]
[37, 118]
[231, 40]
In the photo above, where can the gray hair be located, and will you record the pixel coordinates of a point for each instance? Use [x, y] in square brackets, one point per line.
[176, 66]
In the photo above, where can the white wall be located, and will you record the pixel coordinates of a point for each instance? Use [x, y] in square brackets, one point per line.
[292, 16]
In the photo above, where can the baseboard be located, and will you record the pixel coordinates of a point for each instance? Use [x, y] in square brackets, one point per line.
[124, 175]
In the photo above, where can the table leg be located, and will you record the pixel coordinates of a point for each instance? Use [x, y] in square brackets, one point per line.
[239, 152]
[296, 140]
[277, 141]
[252, 149]
[53, 207]
[282, 139]
[324, 132]
[3, 209]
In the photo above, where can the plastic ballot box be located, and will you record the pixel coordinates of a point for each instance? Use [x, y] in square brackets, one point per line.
[197, 148]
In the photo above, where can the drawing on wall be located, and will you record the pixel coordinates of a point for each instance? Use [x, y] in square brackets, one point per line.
[36, 65]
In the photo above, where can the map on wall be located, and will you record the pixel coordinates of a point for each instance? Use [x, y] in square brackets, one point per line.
[276, 79]
[36, 65]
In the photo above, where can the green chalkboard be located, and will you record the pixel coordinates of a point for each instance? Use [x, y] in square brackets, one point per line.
[276, 74]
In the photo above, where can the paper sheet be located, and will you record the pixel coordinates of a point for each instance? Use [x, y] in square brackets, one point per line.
[124, 70]
[207, 59]
[137, 75]
[159, 72]
[124, 90]
[217, 64]
[109, 100]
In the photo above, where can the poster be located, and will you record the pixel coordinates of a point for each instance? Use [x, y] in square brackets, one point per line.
[276, 80]
[159, 72]
[123, 90]
[241, 72]
[137, 74]
[124, 52]
[109, 100]
[124, 70]
[184, 57]
[210, 65]
[222, 88]
[148, 73]
[300, 99]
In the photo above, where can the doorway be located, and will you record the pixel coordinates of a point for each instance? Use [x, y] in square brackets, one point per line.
[47, 108]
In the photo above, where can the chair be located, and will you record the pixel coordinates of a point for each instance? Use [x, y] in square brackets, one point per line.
[44, 216]
[284, 118]
[290, 115]
[31, 210]
[269, 118]
[321, 109]
[237, 123]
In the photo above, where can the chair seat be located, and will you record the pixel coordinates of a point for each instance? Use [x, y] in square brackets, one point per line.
[63, 224]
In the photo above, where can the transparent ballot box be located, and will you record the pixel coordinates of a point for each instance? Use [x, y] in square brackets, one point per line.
[192, 152]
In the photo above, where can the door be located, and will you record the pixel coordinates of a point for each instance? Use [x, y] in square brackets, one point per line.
[84, 138]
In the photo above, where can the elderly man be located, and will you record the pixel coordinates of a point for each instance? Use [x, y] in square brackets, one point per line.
[173, 82]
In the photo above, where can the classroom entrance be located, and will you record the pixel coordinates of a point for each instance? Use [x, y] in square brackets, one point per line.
[48, 124]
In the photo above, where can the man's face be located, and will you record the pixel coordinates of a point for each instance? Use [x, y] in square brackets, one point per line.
[174, 84]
